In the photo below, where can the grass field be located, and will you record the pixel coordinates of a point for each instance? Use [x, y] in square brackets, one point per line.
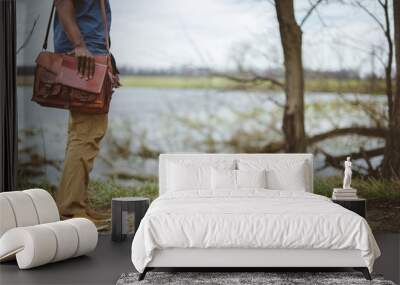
[203, 82]
[325, 85]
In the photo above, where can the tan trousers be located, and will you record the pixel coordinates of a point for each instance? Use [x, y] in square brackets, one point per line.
[85, 132]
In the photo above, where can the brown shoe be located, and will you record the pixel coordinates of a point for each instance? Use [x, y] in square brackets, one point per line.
[83, 214]
[101, 225]
[98, 216]
[103, 228]
[63, 217]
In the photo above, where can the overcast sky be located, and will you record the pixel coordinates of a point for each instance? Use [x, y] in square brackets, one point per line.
[219, 33]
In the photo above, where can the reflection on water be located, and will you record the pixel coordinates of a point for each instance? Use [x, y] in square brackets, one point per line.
[190, 120]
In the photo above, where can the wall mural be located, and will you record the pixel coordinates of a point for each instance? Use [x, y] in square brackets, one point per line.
[211, 78]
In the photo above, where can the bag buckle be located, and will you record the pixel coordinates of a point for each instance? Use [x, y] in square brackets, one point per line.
[48, 89]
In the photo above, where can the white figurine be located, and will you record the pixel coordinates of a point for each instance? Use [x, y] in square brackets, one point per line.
[347, 174]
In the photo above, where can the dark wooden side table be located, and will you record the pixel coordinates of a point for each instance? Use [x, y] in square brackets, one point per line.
[126, 214]
[358, 206]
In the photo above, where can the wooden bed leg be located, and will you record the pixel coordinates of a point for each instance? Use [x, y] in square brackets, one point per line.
[364, 271]
[143, 274]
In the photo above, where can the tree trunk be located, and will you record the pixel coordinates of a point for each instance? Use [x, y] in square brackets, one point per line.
[291, 38]
[391, 161]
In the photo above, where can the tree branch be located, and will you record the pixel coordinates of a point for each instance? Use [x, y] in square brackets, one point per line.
[146, 152]
[309, 12]
[371, 15]
[378, 116]
[279, 146]
[250, 79]
[336, 161]
[272, 147]
[27, 39]
[367, 160]
[358, 155]
[382, 3]
[361, 131]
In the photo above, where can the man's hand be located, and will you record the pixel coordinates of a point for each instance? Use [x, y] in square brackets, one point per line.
[86, 62]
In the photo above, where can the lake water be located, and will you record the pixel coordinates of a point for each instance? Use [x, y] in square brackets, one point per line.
[189, 120]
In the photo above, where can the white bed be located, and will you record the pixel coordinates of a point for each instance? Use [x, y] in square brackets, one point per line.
[248, 227]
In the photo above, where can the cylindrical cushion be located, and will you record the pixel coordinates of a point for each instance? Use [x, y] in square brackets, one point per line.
[34, 246]
[87, 234]
[7, 218]
[67, 240]
[41, 244]
[26, 208]
[45, 205]
[23, 208]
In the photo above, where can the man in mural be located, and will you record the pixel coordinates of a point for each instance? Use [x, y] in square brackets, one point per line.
[79, 29]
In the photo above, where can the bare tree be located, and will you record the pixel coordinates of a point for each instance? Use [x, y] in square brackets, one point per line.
[391, 158]
[391, 161]
[385, 27]
[294, 137]
[291, 39]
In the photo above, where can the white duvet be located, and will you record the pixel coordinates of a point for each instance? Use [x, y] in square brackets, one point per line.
[250, 219]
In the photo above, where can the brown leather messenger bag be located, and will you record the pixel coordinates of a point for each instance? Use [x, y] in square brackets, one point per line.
[57, 83]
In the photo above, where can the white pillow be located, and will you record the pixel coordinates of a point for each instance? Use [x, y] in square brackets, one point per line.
[193, 174]
[281, 174]
[188, 177]
[227, 179]
[251, 178]
[223, 179]
[292, 179]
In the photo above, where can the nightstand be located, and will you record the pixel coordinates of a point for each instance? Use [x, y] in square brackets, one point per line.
[127, 212]
[358, 206]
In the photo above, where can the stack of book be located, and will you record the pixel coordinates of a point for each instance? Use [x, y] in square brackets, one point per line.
[344, 194]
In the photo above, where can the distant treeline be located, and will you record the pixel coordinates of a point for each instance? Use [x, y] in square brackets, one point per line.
[190, 71]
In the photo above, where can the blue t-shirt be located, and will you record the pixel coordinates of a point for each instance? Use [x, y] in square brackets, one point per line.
[90, 22]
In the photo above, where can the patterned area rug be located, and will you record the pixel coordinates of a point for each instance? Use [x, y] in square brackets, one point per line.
[243, 278]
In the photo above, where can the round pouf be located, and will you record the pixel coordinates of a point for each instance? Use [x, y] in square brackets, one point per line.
[127, 210]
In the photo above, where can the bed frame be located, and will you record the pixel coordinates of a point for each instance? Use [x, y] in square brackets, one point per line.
[242, 259]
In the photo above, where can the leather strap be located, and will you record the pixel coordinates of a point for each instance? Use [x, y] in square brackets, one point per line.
[48, 27]
[105, 23]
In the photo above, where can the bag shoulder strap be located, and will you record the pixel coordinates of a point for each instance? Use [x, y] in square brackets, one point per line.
[105, 23]
[48, 27]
